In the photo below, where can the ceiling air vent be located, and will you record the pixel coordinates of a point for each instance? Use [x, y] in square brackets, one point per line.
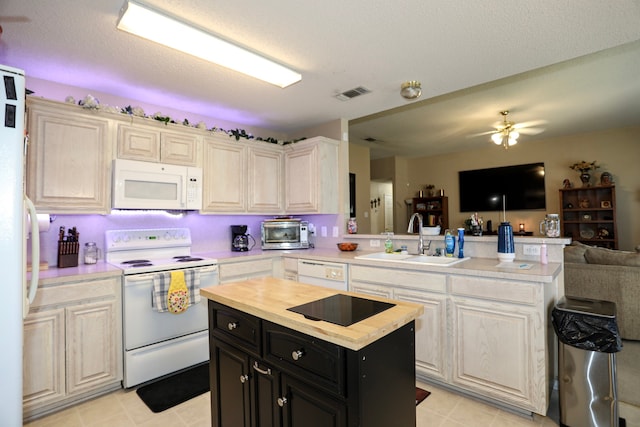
[352, 93]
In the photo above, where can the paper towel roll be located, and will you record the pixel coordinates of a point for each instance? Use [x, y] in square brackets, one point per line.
[44, 222]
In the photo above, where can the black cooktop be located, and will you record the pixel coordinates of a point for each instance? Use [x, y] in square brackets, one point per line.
[343, 310]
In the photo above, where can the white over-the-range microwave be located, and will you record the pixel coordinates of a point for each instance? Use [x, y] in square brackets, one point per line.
[147, 185]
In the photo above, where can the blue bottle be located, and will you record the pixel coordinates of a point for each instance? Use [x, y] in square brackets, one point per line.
[460, 242]
[449, 243]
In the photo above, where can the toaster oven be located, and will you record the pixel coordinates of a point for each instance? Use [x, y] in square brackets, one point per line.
[285, 234]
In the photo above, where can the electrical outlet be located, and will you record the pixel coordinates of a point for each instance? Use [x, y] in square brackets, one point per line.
[531, 250]
[336, 231]
[323, 231]
[374, 243]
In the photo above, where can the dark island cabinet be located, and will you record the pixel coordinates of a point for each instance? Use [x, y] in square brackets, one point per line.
[267, 375]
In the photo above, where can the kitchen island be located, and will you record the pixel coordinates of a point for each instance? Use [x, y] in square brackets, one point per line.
[273, 366]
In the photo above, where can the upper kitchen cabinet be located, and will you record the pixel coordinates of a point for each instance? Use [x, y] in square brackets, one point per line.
[69, 158]
[312, 176]
[157, 143]
[224, 176]
[241, 177]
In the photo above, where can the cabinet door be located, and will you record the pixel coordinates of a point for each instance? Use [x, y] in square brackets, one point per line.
[179, 148]
[431, 332]
[302, 180]
[44, 359]
[312, 176]
[230, 391]
[225, 177]
[93, 345]
[138, 143]
[265, 391]
[69, 161]
[492, 350]
[265, 180]
[305, 406]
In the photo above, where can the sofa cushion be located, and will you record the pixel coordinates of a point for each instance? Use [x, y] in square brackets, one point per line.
[575, 252]
[612, 257]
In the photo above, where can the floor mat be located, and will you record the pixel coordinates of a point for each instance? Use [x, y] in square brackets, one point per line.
[421, 395]
[178, 388]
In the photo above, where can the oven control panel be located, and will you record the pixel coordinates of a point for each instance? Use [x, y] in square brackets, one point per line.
[147, 239]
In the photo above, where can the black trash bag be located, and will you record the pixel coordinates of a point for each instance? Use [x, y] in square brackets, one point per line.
[587, 332]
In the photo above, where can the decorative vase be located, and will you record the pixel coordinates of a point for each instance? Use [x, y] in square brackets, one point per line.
[585, 178]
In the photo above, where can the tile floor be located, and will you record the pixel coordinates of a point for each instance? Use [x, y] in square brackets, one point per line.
[441, 409]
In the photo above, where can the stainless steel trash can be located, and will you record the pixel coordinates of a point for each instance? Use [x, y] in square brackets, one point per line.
[588, 339]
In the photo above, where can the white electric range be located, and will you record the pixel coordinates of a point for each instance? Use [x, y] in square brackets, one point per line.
[158, 343]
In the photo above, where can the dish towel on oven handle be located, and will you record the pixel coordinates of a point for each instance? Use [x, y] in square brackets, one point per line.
[175, 291]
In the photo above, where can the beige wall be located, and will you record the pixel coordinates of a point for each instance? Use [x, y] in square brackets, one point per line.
[360, 165]
[617, 151]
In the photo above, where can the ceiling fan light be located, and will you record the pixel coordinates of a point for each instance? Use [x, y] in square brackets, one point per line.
[411, 89]
[512, 141]
[497, 138]
[514, 134]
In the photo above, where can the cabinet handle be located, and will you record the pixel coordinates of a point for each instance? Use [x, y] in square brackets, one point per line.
[257, 368]
[232, 325]
[297, 354]
[282, 401]
[244, 378]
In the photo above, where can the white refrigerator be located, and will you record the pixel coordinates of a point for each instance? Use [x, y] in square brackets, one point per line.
[15, 209]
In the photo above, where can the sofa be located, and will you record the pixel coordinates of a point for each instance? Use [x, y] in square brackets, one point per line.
[606, 274]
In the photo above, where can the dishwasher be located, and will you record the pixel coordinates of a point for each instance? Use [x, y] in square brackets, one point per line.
[321, 273]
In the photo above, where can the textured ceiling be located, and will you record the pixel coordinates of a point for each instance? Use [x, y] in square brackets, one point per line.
[450, 46]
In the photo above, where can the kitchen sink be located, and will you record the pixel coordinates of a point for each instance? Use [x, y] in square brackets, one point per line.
[412, 259]
[434, 260]
[395, 256]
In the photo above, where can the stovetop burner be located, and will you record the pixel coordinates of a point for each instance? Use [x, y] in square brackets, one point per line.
[188, 259]
[141, 264]
[136, 261]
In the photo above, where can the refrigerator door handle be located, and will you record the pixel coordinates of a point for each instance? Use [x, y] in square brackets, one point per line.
[35, 257]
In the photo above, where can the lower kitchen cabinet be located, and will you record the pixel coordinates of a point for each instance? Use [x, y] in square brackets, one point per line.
[264, 374]
[421, 288]
[484, 336]
[72, 344]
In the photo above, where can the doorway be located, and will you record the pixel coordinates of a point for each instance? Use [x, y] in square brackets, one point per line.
[381, 206]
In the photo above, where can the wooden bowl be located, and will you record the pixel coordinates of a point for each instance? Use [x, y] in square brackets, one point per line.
[347, 246]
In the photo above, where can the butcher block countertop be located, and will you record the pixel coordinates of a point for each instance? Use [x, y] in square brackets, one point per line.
[269, 298]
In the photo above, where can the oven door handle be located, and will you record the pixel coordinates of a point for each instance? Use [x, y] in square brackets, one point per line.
[208, 269]
[146, 277]
[139, 278]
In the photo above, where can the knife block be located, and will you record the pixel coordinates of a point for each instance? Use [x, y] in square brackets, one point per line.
[68, 254]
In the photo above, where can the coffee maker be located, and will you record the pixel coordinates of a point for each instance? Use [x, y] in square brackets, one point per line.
[240, 239]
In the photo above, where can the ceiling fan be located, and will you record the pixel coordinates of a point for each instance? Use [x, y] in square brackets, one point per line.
[508, 132]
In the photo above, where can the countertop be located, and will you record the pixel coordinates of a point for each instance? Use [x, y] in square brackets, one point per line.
[485, 267]
[269, 298]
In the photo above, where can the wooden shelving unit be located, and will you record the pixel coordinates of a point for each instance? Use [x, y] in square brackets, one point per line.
[434, 210]
[588, 215]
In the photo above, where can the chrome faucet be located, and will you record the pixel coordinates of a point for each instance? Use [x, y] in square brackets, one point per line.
[421, 247]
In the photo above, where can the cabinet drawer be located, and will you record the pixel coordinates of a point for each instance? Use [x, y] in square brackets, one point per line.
[396, 277]
[246, 268]
[319, 362]
[238, 328]
[496, 290]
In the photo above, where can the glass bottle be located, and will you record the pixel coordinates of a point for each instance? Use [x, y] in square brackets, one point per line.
[352, 226]
[460, 242]
[388, 244]
[91, 253]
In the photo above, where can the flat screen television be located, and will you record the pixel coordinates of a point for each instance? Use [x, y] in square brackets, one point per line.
[481, 190]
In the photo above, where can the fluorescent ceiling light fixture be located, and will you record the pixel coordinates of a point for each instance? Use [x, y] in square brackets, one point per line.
[143, 21]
